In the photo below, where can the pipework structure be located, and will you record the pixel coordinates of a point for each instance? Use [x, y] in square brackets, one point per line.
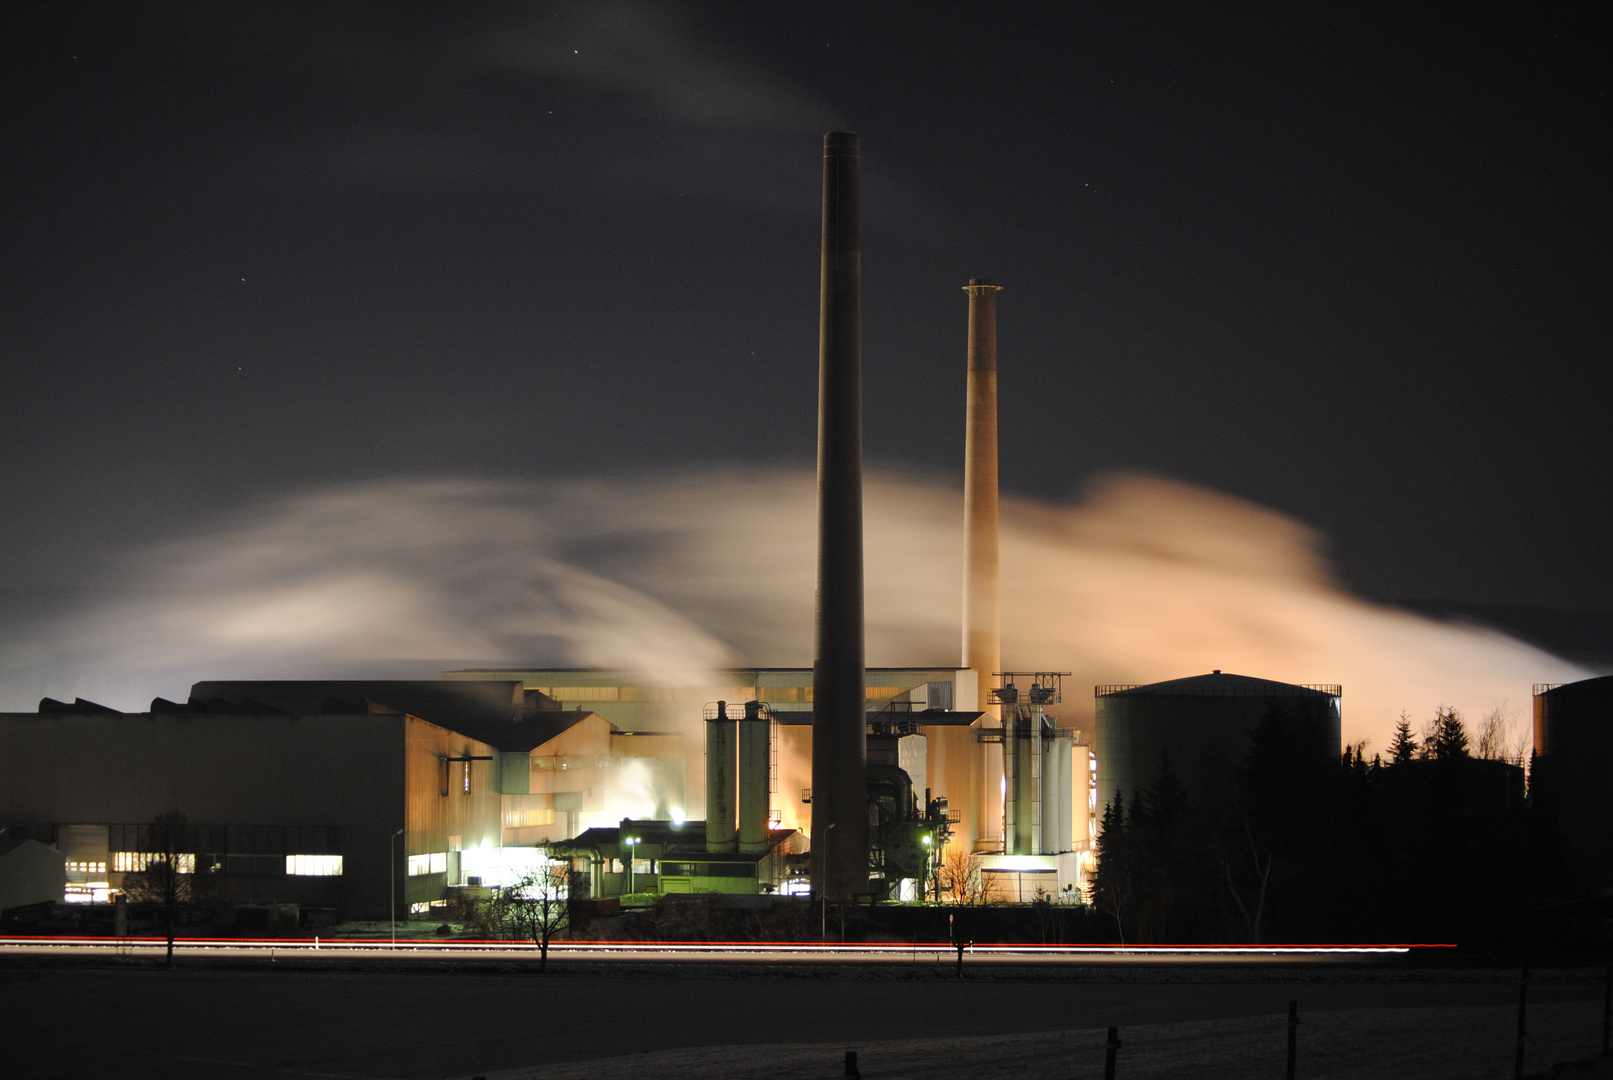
[753, 779]
[839, 746]
[1038, 764]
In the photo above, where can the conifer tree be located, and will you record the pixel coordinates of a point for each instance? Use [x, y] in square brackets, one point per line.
[1112, 882]
[1450, 736]
[1403, 747]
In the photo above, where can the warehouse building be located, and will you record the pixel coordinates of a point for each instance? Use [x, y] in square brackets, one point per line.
[356, 797]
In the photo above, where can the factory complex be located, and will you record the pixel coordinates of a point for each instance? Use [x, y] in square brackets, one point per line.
[354, 799]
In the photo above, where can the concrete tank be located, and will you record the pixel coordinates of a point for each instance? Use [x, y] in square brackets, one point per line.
[721, 835]
[755, 777]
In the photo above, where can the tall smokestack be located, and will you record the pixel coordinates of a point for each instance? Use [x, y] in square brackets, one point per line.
[839, 744]
[982, 610]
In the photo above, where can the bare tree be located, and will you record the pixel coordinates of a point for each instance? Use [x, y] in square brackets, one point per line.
[169, 877]
[535, 906]
[1496, 740]
[1249, 895]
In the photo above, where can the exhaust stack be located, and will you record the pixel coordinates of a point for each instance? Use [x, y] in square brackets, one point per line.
[982, 612]
[839, 742]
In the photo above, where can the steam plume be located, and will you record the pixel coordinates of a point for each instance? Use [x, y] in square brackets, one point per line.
[1143, 580]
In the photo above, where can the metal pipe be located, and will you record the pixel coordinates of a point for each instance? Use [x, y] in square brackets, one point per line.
[839, 692]
[720, 832]
[1011, 781]
[392, 886]
[1035, 750]
[755, 788]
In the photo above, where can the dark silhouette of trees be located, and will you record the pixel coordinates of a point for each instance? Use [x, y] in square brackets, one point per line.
[1428, 844]
[1113, 882]
[1450, 735]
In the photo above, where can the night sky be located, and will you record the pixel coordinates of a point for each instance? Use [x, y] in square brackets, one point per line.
[1349, 262]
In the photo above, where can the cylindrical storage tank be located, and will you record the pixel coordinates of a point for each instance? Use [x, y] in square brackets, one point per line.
[1205, 724]
[1067, 789]
[720, 832]
[1573, 758]
[755, 781]
[1055, 797]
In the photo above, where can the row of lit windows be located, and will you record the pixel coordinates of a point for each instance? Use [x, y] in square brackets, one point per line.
[133, 862]
[314, 865]
[434, 863]
[87, 867]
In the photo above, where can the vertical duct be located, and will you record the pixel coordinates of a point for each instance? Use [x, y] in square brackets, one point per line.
[982, 618]
[839, 743]
[755, 778]
[720, 832]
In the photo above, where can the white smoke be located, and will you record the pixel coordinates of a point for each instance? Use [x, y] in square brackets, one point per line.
[1143, 580]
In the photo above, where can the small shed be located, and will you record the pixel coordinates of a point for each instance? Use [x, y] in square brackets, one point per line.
[30, 873]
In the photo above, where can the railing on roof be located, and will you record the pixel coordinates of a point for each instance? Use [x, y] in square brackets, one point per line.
[1543, 687]
[735, 710]
[1235, 689]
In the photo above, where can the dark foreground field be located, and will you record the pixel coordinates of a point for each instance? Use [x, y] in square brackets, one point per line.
[688, 1021]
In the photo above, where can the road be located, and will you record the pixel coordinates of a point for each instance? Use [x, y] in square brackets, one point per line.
[371, 1013]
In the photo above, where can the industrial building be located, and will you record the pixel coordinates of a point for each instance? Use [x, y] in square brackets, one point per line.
[1204, 724]
[321, 793]
[359, 798]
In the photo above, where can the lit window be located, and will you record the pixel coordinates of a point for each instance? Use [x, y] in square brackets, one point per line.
[434, 863]
[134, 862]
[314, 865]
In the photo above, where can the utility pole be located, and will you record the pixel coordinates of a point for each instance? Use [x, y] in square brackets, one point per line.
[392, 887]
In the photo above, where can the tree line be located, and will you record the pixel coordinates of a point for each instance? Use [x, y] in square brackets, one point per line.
[1435, 843]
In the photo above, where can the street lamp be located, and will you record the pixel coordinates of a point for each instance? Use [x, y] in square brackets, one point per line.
[824, 896]
[630, 842]
[392, 888]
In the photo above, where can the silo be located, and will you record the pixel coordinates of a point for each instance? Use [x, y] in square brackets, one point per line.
[721, 834]
[1205, 724]
[755, 776]
[1573, 757]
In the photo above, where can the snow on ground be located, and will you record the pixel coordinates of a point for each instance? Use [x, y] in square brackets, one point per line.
[1457, 1043]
